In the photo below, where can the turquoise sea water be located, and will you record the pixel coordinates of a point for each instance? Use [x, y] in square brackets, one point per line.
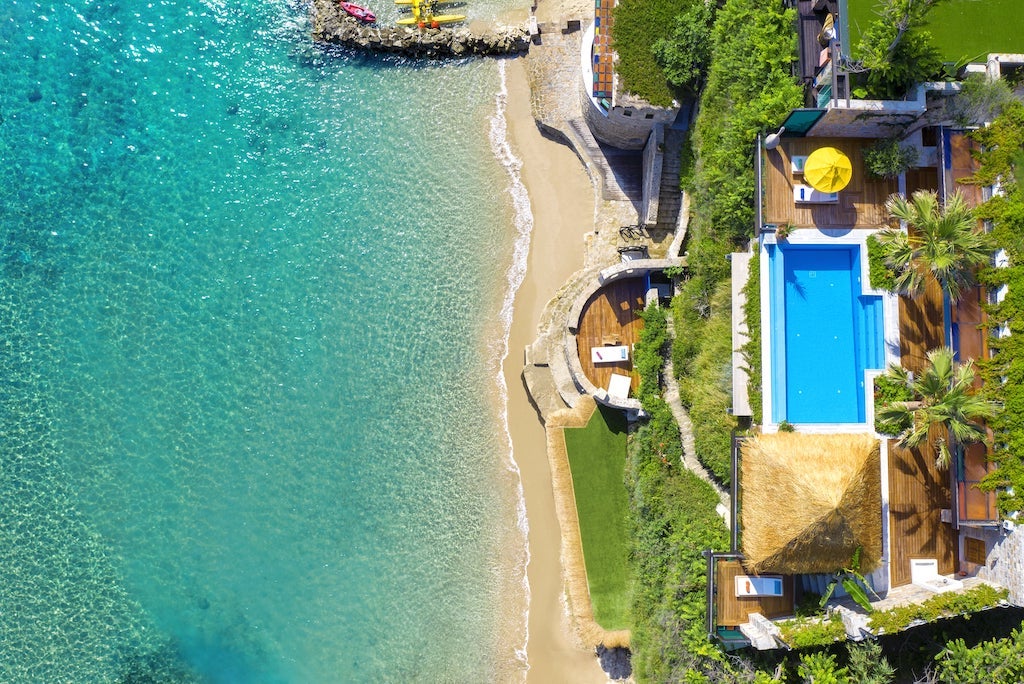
[253, 306]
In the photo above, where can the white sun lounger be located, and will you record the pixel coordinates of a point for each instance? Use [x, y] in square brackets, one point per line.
[609, 354]
[618, 386]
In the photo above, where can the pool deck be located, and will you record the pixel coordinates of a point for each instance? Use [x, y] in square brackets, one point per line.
[861, 204]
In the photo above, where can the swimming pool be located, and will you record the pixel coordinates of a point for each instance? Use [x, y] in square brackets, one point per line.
[824, 333]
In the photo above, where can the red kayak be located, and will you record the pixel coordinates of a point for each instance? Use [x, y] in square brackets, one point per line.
[359, 12]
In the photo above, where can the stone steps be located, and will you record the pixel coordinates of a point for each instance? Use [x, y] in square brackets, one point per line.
[670, 200]
[620, 171]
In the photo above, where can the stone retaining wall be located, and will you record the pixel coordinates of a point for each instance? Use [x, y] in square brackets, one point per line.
[334, 26]
[1005, 562]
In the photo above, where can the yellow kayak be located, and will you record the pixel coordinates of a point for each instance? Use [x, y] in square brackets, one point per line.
[431, 21]
[409, 3]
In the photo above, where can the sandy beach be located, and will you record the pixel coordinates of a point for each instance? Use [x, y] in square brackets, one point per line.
[562, 199]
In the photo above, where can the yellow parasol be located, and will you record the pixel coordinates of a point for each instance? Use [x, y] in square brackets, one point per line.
[828, 170]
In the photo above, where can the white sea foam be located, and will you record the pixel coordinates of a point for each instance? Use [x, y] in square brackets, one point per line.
[523, 222]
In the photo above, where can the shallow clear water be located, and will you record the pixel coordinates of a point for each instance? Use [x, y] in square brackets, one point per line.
[251, 326]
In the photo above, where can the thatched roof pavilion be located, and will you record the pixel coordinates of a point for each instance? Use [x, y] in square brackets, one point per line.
[808, 502]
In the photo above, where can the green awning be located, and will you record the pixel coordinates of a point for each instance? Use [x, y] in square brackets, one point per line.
[800, 121]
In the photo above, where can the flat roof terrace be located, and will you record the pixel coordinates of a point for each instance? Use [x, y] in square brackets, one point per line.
[861, 204]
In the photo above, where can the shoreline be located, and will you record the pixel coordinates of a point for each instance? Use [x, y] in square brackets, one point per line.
[562, 199]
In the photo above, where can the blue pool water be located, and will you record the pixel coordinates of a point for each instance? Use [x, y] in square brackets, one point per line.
[825, 333]
[253, 304]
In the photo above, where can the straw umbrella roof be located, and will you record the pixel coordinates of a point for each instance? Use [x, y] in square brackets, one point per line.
[808, 502]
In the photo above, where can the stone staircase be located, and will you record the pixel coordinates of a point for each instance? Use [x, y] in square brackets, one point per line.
[670, 197]
[620, 171]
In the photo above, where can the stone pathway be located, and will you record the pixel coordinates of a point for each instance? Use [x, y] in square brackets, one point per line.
[682, 417]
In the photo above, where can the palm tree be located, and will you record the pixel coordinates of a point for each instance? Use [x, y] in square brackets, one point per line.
[943, 395]
[942, 241]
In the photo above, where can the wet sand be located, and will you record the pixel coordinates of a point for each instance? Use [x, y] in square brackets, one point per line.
[562, 200]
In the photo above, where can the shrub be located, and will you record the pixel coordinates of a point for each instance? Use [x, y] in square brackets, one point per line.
[813, 631]
[705, 386]
[648, 356]
[684, 56]
[880, 276]
[887, 391]
[639, 24]
[821, 668]
[752, 349]
[999, 660]
[888, 158]
[941, 605]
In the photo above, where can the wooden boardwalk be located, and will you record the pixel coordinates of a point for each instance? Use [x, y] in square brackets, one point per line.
[921, 327]
[861, 204]
[918, 491]
[611, 318]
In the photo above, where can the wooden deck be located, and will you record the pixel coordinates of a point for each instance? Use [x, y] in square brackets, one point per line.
[973, 505]
[918, 491]
[611, 318]
[970, 336]
[810, 21]
[959, 164]
[924, 178]
[861, 204]
[921, 326]
[732, 610]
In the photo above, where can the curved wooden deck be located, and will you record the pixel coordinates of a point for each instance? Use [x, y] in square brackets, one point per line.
[611, 318]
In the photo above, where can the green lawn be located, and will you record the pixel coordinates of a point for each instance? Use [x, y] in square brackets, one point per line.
[961, 28]
[597, 456]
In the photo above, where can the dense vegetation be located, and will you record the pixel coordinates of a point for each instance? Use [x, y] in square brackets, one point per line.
[640, 24]
[752, 349]
[749, 91]
[998, 660]
[897, 51]
[705, 376]
[816, 630]
[1003, 159]
[880, 276]
[684, 57]
[673, 520]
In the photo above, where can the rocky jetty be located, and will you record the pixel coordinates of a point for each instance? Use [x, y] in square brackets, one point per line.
[332, 25]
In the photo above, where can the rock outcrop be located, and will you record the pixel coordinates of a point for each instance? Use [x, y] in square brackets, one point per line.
[333, 26]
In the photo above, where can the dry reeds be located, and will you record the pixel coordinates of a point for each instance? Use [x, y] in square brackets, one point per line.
[809, 501]
[573, 566]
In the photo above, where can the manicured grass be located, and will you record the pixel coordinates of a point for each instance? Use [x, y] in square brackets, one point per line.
[597, 456]
[961, 28]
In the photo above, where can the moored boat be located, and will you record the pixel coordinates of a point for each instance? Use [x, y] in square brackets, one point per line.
[359, 12]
